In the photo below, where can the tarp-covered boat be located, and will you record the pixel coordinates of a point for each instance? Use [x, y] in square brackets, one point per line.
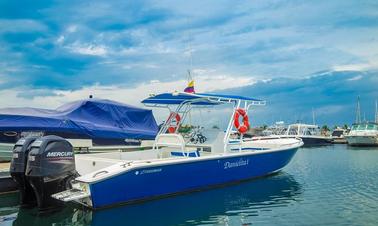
[106, 122]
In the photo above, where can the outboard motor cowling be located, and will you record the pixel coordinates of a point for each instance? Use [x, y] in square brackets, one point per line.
[50, 168]
[17, 170]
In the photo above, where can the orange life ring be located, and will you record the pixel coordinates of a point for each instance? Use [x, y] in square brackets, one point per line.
[243, 128]
[172, 129]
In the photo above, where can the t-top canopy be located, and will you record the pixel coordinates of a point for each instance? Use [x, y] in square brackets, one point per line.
[197, 99]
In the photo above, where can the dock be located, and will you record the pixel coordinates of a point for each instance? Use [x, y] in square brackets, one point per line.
[4, 165]
[6, 182]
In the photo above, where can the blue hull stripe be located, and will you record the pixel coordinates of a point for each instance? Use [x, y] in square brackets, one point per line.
[150, 182]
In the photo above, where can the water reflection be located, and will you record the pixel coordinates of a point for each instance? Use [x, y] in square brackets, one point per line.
[206, 207]
[362, 148]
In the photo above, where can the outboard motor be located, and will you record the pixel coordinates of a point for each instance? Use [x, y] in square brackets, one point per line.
[50, 168]
[17, 170]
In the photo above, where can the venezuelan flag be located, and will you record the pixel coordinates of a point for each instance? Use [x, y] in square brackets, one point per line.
[190, 88]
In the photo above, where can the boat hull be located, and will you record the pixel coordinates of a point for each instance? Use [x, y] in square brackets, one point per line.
[315, 141]
[362, 140]
[152, 182]
[308, 141]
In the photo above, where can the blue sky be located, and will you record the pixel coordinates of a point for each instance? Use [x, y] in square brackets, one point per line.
[55, 51]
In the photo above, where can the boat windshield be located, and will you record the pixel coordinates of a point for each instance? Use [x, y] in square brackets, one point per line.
[303, 129]
[361, 127]
[365, 126]
[372, 127]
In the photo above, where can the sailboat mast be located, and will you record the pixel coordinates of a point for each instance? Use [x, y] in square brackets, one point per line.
[358, 111]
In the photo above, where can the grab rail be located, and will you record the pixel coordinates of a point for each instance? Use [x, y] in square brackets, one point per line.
[100, 172]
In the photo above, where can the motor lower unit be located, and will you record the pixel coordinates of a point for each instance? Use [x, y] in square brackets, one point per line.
[50, 168]
[17, 170]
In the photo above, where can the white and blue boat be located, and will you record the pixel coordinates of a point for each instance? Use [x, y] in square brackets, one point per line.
[180, 162]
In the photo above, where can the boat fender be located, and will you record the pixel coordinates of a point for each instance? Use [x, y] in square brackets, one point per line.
[242, 128]
[172, 129]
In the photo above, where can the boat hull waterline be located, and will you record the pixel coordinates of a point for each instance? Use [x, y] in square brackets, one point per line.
[154, 181]
[362, 140]
[316, 141]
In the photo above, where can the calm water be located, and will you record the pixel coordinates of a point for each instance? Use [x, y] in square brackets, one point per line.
[335, 185]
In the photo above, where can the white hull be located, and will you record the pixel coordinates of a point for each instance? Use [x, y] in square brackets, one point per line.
[362, 140]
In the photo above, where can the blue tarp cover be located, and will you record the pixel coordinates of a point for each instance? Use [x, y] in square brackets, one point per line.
[93, 117]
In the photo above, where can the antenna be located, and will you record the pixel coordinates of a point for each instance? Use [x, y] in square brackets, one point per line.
[190, 78]
[376, 111]
[358, 111]
[313, 116]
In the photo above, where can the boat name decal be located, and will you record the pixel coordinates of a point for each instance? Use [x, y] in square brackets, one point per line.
[146, 171]
[240, 162]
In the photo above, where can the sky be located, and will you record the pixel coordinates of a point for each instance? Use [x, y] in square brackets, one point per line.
[300, 56]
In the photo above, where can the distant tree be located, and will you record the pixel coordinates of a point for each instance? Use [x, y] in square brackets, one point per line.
[264, 126]
[346, 126]
[325, 128]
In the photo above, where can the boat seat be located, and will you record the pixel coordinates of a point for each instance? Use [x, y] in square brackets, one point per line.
[170, 140]
[213, 143]
[194, 153]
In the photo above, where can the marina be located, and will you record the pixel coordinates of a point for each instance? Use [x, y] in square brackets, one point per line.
[231, 113]
[328, 185]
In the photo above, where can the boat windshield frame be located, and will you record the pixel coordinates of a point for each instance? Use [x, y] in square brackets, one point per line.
[204, 101]
[299, 129]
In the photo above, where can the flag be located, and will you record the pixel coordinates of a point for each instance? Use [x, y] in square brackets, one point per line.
[190, 88]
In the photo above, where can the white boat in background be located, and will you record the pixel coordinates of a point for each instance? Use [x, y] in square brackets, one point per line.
[278, 128]
[338, 135]
[363, 134]
[310, 134]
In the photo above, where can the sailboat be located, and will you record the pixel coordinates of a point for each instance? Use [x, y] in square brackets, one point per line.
[363, 133]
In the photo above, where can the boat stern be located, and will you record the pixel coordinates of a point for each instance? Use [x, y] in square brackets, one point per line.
[79, 193]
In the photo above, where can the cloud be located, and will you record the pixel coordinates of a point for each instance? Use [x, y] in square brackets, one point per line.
[49, 98]
[261, 40]
[21, 25]
[88, 49]
[358, 77]
[27, 96]
[332, 96]
[355, 67]
[60, 46]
